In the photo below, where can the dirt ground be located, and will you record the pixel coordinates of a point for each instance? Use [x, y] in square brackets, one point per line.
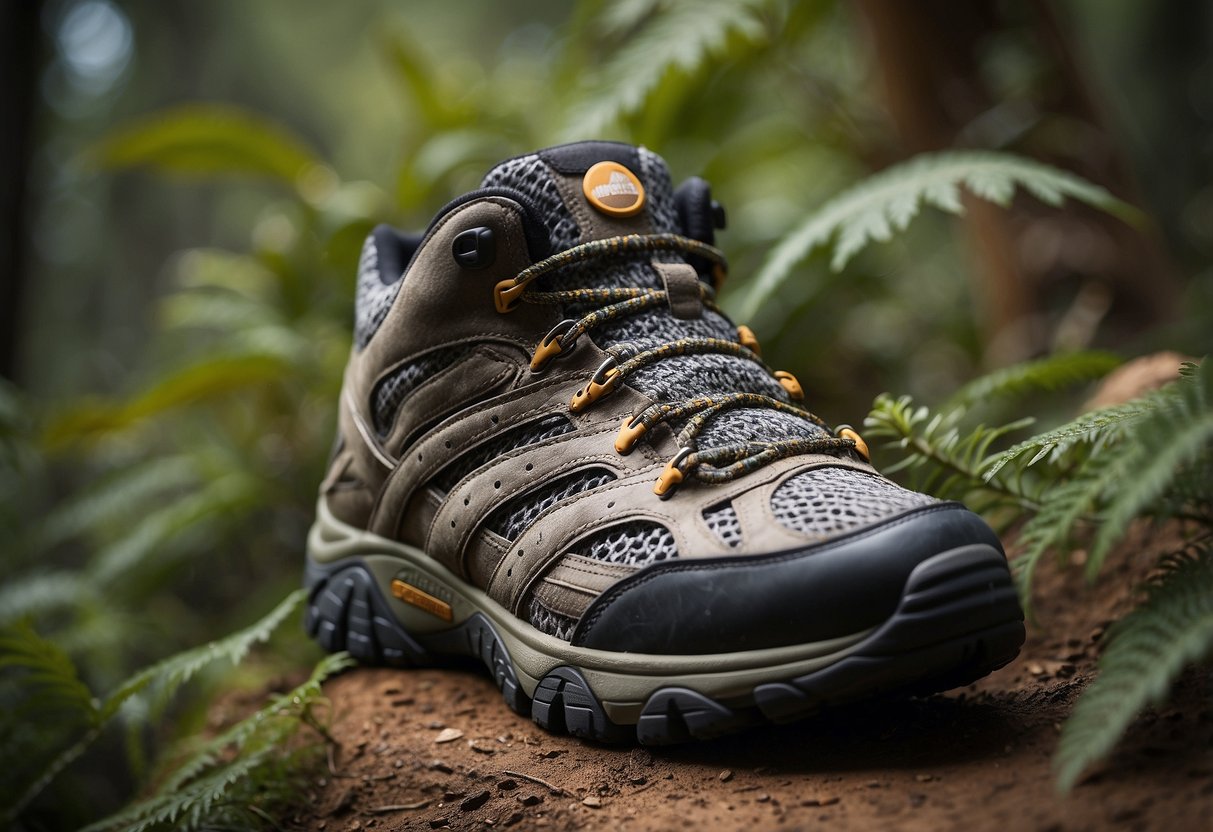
[436, 749]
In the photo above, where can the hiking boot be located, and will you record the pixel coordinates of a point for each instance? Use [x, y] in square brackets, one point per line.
[556, 454]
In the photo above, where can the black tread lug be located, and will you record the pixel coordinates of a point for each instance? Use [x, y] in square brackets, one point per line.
[674, 715]
[564, 702]
[347, 612]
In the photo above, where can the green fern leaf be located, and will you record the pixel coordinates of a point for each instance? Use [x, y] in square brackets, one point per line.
[48, 679]
[1145, 653]
[683, 37]
[205, 786]
[1057, 372]
[1101, 425]
[1177, 432]
[37, 594]
[169, 675]
[206, 139]
[885, 203]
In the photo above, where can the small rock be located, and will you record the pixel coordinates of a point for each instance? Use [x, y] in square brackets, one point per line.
[512, 818]
[592, 802]
[438, 823]
[726, 775]
[507, 785]
[474, 801]
[551, 755]
[1035, 668]
[924, 778]
[435, 724]
[481, 749]
[530, 799]
[638, 781]
[763, 798]
[438, 765]
[820, 801]
[448, 735]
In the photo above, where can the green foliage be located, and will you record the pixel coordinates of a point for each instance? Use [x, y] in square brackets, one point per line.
[206, 139]
[239, 778]
[1148, 458]
[1046, 375]
[676, 37]
[1145, 651]
[40, 679]
[884, 204]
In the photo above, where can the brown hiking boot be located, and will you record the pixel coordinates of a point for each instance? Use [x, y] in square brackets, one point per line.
[558, 455]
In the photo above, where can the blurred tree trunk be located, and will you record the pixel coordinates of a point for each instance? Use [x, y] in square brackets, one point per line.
[1044, 279]
[19, 60]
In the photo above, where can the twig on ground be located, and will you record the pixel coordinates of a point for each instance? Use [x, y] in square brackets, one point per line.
[540, 782]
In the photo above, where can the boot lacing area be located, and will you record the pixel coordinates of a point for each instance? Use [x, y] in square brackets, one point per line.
[715, 465]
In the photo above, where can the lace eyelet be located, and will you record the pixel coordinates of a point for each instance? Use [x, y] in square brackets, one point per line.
[552, 345]
[671, 476]
[602, 382]
[861, 447]
[629, 434]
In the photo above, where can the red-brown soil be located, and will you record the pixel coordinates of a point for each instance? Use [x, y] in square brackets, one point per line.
[972, 759]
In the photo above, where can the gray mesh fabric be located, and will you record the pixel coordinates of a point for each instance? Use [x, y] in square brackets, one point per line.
[530, 176]
[722, 521]
[673, 379]
[395, 388]
[531, 433]
[824, 502]
[638, 543]
[547, 621]
[513, 518]
[372, 297]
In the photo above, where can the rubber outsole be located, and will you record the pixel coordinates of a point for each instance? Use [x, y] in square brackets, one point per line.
[958, 620]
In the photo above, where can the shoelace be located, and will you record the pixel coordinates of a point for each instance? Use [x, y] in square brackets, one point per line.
[715, 465]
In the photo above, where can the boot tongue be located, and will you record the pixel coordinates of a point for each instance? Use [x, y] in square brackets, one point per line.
[592, 190]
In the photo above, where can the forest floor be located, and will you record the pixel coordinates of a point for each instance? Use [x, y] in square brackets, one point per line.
[973, 759]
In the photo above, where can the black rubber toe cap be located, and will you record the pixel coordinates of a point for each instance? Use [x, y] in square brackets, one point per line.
[691, 606]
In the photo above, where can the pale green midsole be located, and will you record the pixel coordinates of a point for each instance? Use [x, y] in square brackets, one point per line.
[622, 681]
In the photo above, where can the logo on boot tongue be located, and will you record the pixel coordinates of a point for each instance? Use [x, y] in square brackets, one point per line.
[613, 189]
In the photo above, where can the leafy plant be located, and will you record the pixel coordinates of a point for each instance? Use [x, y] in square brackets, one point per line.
[1148, 458]
[40, 679]
[241, 778]
[884, 204]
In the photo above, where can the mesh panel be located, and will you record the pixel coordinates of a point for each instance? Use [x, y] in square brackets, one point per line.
[638, 543]
[393, 389]
[722, 521]
[673, 379]
[828, 501]
[547, 621]
[531, 176]
[372, 297]
[513, 439]
[513, 518]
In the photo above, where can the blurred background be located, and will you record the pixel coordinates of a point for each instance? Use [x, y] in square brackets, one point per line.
[184, 188]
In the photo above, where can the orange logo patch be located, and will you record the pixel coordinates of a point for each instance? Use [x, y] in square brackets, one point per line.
[613, 189]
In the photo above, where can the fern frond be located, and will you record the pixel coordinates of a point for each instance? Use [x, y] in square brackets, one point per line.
[292, 704]
[1098, 426]
[114, 499]
[884, 204]
[39, 593]
[1045, 375]
[682, 37]
[205, 786]
[224, 496]
[1175, 433]
[1145, 652]
[947, 461]
[169, 675]
[1062, 508]
[48, 679]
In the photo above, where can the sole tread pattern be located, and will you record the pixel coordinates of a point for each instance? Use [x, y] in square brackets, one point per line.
[916, 652]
